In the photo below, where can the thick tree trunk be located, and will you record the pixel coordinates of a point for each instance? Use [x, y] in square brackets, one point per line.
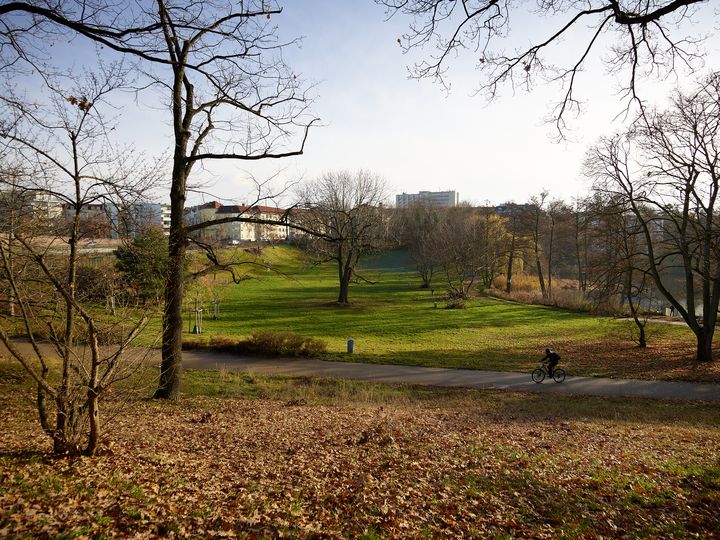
[171, 366]
[66, 429]
[343, 296]
[344, 289]
[60, 431]
[704, 345]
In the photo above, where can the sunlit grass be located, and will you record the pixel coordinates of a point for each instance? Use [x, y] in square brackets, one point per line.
[393, 321]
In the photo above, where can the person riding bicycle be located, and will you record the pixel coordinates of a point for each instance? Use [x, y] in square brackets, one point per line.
[553, 359]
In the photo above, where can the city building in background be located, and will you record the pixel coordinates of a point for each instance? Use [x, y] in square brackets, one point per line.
[435, 199]
[238, 231]
[130, 221]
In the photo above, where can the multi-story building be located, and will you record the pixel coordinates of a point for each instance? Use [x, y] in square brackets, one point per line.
[46, 205]
[238, 231]
[130, 221]
[26, 206]
[96, 219]
[165, 217]
[436, 199]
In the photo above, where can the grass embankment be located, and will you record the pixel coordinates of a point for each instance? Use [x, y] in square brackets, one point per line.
[395, 322]
[334, 459]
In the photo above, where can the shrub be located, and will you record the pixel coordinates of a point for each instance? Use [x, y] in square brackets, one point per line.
[573, 299]
[94, 283]
[261, 343]
[455, 303]
[520, 283]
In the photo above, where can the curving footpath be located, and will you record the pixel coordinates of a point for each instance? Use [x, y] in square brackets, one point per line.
[447, 377]
[461, 378]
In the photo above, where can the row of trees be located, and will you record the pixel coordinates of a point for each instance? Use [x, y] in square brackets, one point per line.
[650, 223]
[663, 176]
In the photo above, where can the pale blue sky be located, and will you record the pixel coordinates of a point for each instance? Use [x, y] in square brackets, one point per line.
[408, 131]
[418, 138]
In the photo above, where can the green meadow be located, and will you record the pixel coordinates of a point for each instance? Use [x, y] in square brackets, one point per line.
[393, 321]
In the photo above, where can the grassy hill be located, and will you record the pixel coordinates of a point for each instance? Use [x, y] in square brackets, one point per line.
[393, 321]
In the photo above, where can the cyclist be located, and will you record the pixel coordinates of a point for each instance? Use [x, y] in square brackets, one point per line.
[553, 359]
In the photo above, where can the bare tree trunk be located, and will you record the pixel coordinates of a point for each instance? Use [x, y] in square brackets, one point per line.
[704, 345]
[635, 311]
[550, 255]
[10, 269]
[171, 366]
[344, 290]
[511, 256]
[345, 273]
[541, 278]
[94, 413]
[580, 253]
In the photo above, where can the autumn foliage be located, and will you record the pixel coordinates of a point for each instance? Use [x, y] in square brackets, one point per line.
[336, 460]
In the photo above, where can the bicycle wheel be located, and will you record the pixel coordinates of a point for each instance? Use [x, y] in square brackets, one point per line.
[559, 375]
[538, 375]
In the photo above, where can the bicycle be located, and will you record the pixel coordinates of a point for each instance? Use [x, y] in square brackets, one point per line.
[539, 374]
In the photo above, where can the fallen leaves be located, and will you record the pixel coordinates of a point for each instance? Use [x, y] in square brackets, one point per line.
[254, 469]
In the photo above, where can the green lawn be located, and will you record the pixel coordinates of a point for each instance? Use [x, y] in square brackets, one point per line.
[394, 321]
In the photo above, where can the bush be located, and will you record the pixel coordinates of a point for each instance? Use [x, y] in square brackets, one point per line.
[261, 343]
[520, 283]
[455, 303]
[572, 299]
[95, 283]
[285, 344]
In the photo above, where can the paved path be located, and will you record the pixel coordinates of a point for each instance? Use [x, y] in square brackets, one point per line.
[469, 378]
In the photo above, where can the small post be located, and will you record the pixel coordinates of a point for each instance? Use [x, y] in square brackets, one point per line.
[350, 345]
[197, 329]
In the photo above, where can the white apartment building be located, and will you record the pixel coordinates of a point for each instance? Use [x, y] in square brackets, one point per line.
[436, 199]
[238, 231]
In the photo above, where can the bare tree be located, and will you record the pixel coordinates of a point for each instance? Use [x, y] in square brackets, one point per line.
[458, 254]
[461, 249]
[493, 243]
[667, 170]
[618, 267]
[347, 208]
[537, 203]
[62, 146]
[580, 228]
[646, 36]
[560, 243]
[517, 218]
[419, 225]
[221, 68]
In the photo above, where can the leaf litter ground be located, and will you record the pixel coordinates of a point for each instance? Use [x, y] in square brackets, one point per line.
[442, 464]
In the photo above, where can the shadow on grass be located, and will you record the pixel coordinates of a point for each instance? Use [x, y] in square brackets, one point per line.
[320, 317]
